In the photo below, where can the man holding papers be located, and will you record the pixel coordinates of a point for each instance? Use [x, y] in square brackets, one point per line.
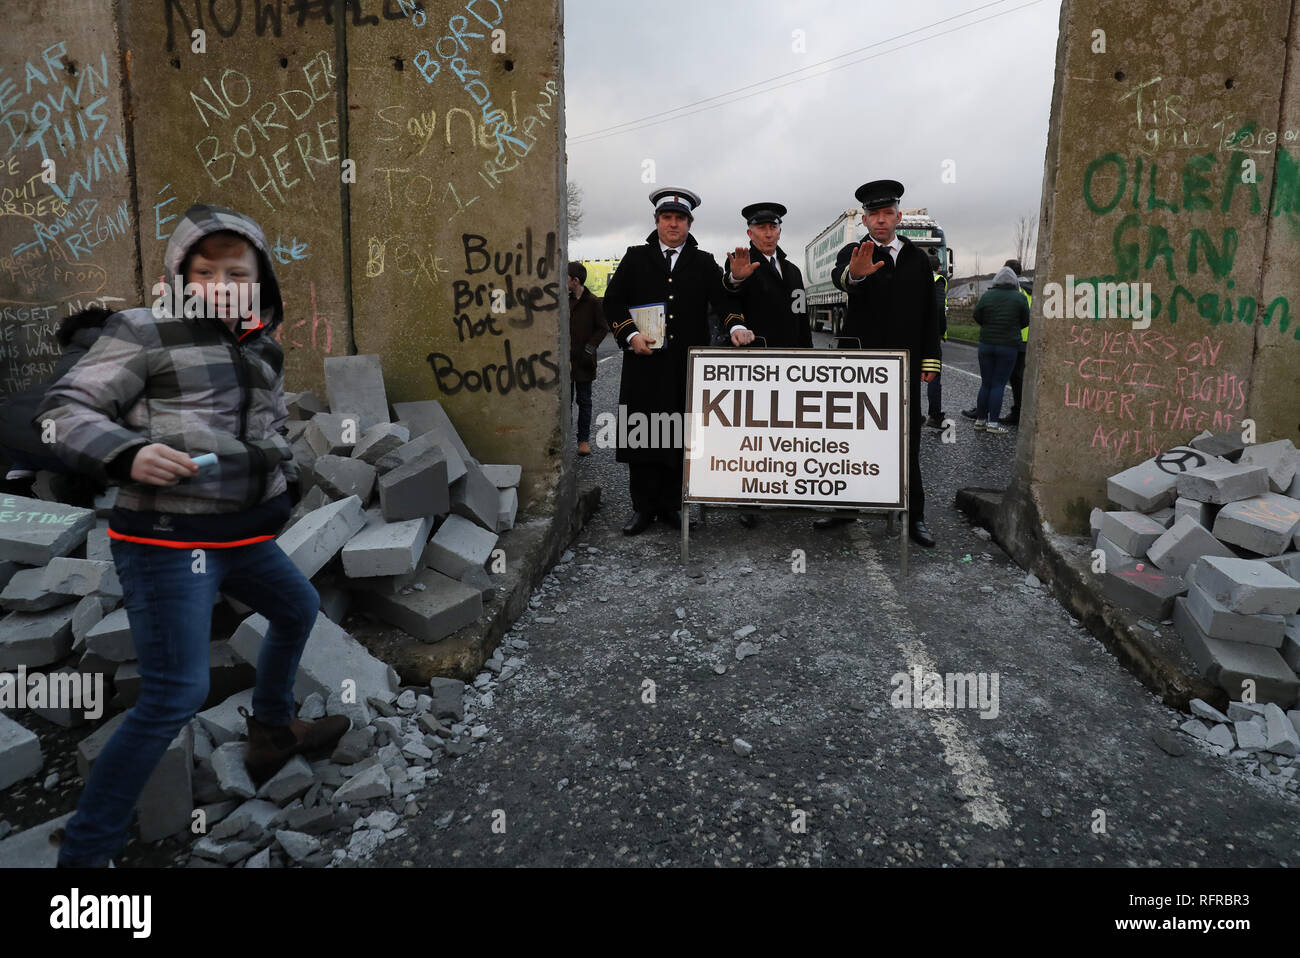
[657, 305]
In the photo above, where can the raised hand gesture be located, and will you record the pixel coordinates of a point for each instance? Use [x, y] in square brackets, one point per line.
[741, 267]
[860, 264]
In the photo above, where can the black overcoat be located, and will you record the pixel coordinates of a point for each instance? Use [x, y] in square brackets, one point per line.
[769, 306]
[657, 383]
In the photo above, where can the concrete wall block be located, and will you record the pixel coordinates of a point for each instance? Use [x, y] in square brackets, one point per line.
[442, 607]
[475, 497]
[1279, 458]
[110, 637]
[330, 659]
[434, 439]
[1220, 484]
[1187, 541]
[416, 489]
[333, 433]
[1131, 531]
[427, 416]
[379, 440]
[320, 535]
[1219, 622]
[1200, 512]
[340, 477]
[35, 639]
[1247, 586]
[503, 477]
[38, 531]
[1263, 524]
[357, 383]
[458, 546]
[1230, 664]
[20, 752]
[1227, 445]
[386, 548]
[1142, 588]
[223, 722]
[507, 509]
[1142, 488]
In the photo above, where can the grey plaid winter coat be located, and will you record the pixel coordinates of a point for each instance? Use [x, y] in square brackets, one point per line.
[187, 382]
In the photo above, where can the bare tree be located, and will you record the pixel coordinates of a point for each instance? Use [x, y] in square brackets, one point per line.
[573, 200]
[1026, 240]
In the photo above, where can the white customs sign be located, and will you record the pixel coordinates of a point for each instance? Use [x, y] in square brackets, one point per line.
[798, 427]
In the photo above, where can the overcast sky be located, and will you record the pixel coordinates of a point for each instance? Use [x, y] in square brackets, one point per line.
[978, 96]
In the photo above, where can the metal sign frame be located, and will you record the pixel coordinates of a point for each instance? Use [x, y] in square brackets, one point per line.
[791, 508]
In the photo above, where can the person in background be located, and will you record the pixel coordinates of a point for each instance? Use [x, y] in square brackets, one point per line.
[934, 388]
[1017, 381]
[1001, 313]
[587, 328]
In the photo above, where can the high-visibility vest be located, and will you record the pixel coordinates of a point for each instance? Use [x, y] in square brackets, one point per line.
[1024, 333]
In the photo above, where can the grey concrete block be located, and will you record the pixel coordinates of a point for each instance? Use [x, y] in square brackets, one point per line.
[1262, 524]
[27, 592]
[383, 584]
[417, 488]
[442, 607]
[232, 773]
[1143, 589]
[305, 405]
[1223, 483]
[1231, 664]
[1277, 457]
[33, 531]
[379, 440]
[1114, 556]
[1164, 516]
[297, 845]
[313, 499]
[386, 548]
[458, 546]
[1221, 736]
[331, 662]
[294, 430]
[288, 783]
[420, 445]
[20, 752]
[356, 710]
[1281, 734]
[507, 509]
[1247, 586]
[370, 782]
[503, 477]
[110, 637]
[356, 384]
[1175, 550]
[340, 477]
[1205, 710]
[1219, 622]
[355, 745]
[1245, 711]
[320, 535]
[1290, 647]
[166, 805]
[98, 548]
[1225, 444]
[477, 578]
[32, 848]
[332, 434]
[1094, 522]
[475, 497]
[223, 722]
[255, 818]
[1146, 486]
[1250, 735]
[1131, 531]
[86, 614]
[1200, 512]
[1288, 564]
[427, 416]
[35, 639]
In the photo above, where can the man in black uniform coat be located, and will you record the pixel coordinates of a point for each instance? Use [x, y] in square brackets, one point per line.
[768, 291]
[891, 306]
[768, 286]
[671, 270]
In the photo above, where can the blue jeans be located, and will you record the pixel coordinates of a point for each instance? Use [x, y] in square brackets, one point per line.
[996, 364]
[169, 607]
[582, 396]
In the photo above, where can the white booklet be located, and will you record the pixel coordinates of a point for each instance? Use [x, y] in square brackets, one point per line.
[650, 323]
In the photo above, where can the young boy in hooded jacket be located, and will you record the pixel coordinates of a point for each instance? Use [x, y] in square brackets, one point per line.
[156, 391]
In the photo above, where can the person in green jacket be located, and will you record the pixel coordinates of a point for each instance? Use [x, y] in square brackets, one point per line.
[1001, 313]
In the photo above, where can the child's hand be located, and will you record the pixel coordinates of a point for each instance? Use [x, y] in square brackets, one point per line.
[160, 465]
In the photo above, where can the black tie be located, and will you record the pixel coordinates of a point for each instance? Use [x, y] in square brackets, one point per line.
[775, 267]
[883, 256]
[668, 258]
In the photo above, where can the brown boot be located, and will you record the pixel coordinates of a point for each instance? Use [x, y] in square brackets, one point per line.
[270, 746]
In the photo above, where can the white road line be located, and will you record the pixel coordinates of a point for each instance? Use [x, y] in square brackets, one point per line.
[960, 753]
[962, 371]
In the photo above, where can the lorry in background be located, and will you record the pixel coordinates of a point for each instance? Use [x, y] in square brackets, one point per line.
[826, 304]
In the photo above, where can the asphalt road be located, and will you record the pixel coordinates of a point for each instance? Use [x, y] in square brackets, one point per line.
[616, 742]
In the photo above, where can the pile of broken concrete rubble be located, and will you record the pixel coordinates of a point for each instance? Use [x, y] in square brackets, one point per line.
[1206, 536]
[397, 519]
